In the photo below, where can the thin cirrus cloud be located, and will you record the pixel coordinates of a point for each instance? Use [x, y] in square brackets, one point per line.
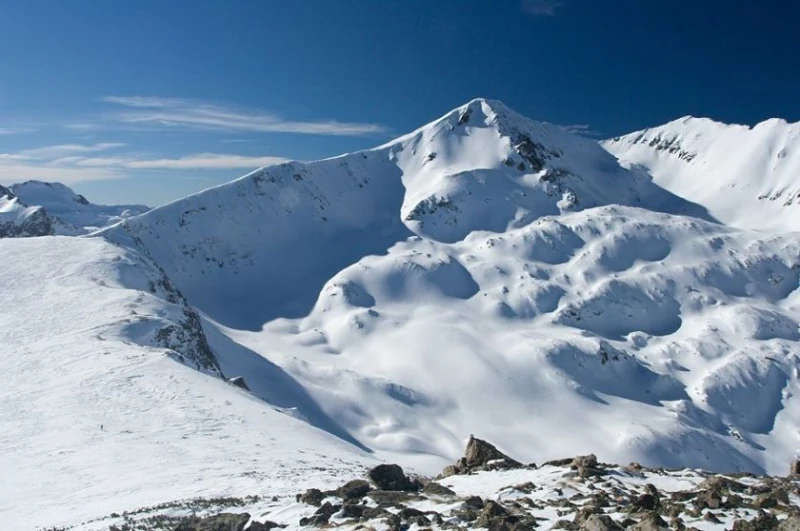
[189, 114]
[201, 161]
[74, 163]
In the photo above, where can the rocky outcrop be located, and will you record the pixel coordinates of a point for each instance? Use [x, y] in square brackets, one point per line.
[480, 455]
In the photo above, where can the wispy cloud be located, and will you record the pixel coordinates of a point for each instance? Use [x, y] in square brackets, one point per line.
[541, 8]
[73, 163]
[175, 112]
[582, 130]
[61, 150]
[200, 161]
[15, 130]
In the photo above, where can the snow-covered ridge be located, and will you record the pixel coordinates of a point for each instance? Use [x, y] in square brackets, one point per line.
[745, 176]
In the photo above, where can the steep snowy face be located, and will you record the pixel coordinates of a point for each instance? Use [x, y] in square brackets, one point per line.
[18, 220]
[745, 176]
[74, 212]
[480, 167]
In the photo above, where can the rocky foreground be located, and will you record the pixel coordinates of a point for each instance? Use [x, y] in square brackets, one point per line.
[486, 489]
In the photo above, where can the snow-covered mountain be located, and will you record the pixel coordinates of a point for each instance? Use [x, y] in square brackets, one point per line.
[485, 274]
[73, 209]
[36, 208]
[747, 177]
[490, 272]
[20, 220]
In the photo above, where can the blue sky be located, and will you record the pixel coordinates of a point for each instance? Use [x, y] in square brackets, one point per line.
[147, 101]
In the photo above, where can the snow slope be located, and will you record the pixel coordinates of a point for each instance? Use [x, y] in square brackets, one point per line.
[98, 414]
[745, 176]
[74, 212]
[493, 275]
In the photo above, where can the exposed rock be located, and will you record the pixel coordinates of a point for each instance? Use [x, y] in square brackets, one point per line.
[765, 501]
[311, 497]
[265, 526]
[651, 522]
[491, 512]
[794, 468]
[762, 522]
[722, 484]
[437, 489]
[480, 455]
[790, 524]
[217, 522]
[352, 510]
[322, 516]
[238, 381]
[353, 489]
[600, 522]
[392, 478]
[389, 498]
[708, 499]
[567, 461]
[646, 502]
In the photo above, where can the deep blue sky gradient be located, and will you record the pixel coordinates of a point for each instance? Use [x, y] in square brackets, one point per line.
[615, 66]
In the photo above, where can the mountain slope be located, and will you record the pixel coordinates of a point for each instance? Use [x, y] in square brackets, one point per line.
[746, 176]
[99, 415]
[489, 274]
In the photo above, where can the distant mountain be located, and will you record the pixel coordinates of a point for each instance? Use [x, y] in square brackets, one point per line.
[72, 213]
[18, 220]
[747, 177]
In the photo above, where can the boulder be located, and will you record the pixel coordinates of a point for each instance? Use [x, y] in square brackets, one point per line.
[794, 468]
[311, 497]
[651, 522]
[392, 478]
[353, 490]
[600, 522]
[480, 453]
[265, 526]
[437, 489]
[322, 515]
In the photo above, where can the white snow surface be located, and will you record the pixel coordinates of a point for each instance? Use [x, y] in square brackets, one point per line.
[745, 176]
[485, 274]
[95, 420]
